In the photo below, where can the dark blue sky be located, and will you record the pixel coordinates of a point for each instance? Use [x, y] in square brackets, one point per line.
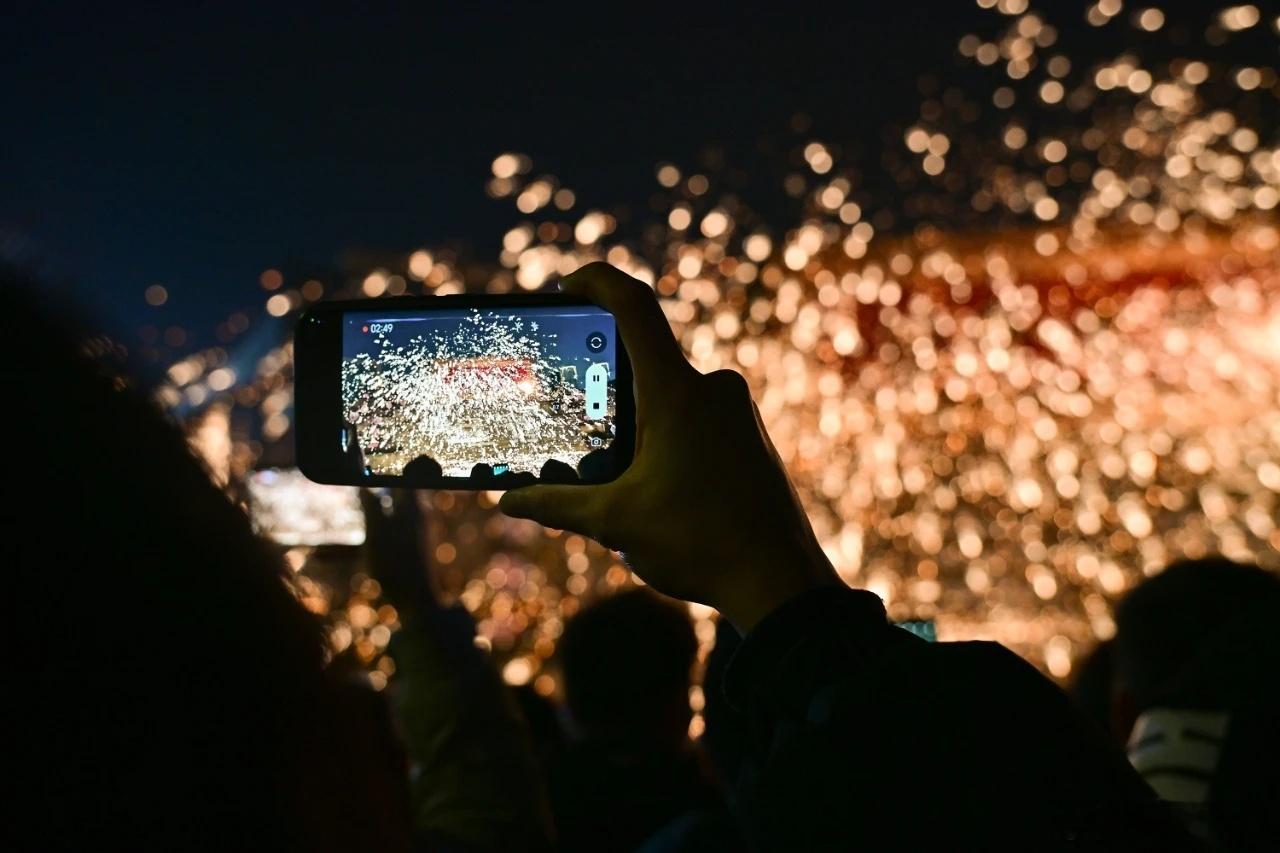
[195, 147]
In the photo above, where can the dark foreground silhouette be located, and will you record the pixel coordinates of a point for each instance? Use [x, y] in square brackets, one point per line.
[630, 770]
[174, 694]
[1196, 697]
[173, 691]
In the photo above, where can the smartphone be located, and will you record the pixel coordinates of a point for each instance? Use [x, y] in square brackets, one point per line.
[925, 629]
[462, 392]
[289, 509]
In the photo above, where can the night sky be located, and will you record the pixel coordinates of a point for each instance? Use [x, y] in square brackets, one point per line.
[197, 147]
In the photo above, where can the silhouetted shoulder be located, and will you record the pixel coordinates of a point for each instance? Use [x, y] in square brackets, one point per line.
[869, 726]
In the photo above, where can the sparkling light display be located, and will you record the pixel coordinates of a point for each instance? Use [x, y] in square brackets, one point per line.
[488, 389]
[1064, 374]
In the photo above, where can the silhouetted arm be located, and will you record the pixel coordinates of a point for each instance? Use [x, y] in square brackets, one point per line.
[475, 784]
[474, 781]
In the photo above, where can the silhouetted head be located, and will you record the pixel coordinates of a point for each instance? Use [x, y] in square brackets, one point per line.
[1200, 637]
[176, 687]
[1091, 684]
[627, 663]
[423, 469]
[1193, 635]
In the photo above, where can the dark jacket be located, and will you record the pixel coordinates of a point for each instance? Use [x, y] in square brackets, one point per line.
[863, 736]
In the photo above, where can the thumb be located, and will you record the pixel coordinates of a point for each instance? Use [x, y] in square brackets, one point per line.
[573, 508]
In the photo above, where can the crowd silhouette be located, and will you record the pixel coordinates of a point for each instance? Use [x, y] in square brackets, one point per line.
[173, 694]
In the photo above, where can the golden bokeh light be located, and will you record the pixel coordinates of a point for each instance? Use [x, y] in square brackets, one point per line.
[1002, 427]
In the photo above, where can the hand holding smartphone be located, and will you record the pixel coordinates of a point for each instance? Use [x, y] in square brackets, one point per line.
[704, 512]
[463, 392]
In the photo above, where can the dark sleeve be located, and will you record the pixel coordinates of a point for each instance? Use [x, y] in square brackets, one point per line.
[475, 784]
[863, 734]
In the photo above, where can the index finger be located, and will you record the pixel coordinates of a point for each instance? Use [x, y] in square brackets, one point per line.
[576, 508]
[655, 356]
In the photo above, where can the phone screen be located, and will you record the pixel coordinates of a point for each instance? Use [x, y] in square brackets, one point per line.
[286, 507]
[507, 388]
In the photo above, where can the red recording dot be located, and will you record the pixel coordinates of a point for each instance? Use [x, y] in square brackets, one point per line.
[364, 328]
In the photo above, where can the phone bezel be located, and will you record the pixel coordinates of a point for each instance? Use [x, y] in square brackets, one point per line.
[317, 356]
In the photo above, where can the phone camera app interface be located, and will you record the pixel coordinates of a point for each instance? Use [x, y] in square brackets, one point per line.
[508, 389]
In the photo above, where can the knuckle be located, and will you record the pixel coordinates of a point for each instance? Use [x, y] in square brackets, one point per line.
[596, 269]
[610, 519]
[730, 383]
[605, 273]
[632, 291]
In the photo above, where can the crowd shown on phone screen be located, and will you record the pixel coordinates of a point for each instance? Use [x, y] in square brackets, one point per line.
[171, 692]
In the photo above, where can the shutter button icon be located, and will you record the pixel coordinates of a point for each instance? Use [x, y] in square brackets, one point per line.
[597, 391]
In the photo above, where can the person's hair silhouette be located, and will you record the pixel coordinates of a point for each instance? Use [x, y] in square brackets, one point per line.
[176, 694]
[1196, 657]
[627, 664]
[1185, 634]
